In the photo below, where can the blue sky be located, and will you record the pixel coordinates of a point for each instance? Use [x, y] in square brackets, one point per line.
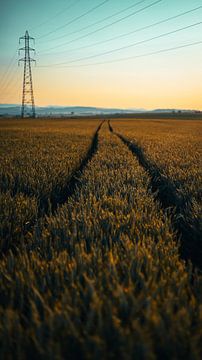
[168, 79]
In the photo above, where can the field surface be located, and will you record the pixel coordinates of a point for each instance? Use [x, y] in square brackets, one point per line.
[100, 239]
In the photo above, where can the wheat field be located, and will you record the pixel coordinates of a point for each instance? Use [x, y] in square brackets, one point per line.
[100, 239]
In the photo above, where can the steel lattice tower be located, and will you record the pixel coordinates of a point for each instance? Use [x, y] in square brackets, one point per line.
[28, 107]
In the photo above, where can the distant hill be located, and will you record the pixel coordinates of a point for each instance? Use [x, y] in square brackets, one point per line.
[15, 109]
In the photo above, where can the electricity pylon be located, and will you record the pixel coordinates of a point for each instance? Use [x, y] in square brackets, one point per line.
[27, 93]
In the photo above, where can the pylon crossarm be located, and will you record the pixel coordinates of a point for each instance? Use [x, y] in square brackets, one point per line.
[20, 60]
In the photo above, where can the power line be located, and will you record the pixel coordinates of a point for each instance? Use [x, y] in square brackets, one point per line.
[137, 30]
[56, 15]
[75, 19]
[10, 84]
[9, 80]
[108, 25]
[130, 32]
[8, 77]
[131, 45]
[99, 21]
[14, 81]
[9, 65]
[130, 57]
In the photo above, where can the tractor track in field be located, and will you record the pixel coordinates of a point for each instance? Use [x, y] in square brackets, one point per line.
[66, 192]
[164, 191]
[74, 181]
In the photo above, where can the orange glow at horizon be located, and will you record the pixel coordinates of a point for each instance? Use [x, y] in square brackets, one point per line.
[118, 86]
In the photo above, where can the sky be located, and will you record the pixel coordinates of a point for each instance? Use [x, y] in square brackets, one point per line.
[100, 53]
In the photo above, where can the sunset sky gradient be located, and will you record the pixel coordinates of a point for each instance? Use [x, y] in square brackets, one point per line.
[165, 80]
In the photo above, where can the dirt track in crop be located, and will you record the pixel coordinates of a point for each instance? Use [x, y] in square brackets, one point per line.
[186, 228]
[74, 182]
[62, 196]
